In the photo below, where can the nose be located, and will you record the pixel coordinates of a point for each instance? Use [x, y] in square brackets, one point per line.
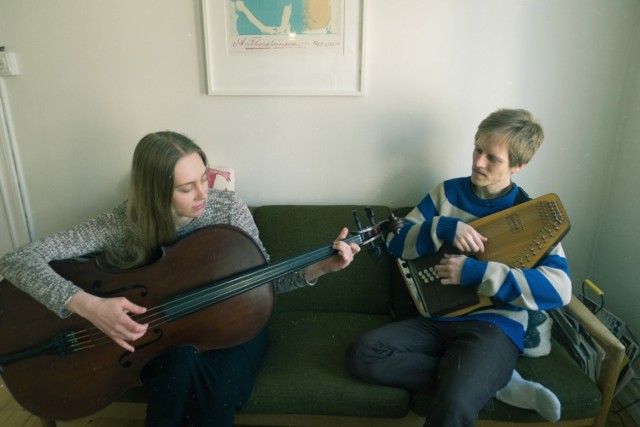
[203, 188]
[480, 161]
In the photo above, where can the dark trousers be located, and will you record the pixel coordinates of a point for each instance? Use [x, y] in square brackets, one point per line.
[189, 388]
[464, 362]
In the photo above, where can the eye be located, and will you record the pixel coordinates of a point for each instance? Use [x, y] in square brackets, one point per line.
[186, 188]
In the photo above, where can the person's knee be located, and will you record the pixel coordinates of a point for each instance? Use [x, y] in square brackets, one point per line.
[353, 359]
[175, 365]
[363, 358]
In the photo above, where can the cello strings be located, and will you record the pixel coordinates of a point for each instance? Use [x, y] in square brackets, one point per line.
[198, 299]
[207, 296]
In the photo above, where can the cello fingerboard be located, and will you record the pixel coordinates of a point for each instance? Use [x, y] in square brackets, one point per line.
[518, 237]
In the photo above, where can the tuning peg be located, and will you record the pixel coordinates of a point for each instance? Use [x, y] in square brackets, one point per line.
[356, 218]
[395, 223]
[370, 215]
[374, 250]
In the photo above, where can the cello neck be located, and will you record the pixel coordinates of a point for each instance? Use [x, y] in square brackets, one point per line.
[213, 293]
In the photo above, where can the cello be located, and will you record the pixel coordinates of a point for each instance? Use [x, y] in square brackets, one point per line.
[63, 369]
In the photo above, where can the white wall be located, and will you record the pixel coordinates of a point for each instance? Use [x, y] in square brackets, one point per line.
[616, 257]
[98, 75]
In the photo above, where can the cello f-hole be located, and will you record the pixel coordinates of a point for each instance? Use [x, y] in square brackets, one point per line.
[97, 285]
[123, 359]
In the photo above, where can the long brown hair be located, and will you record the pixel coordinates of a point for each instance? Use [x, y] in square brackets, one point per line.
[150, 222]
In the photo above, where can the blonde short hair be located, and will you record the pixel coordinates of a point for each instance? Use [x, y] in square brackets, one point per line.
[523, 133]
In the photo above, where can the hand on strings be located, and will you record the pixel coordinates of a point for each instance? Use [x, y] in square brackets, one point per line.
[111, 316]
[344, 256]
[450, 269]
[346, 252]
[467, 239]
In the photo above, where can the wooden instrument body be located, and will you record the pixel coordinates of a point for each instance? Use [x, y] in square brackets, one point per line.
[77, 384]
[518, 237]
[209, 290]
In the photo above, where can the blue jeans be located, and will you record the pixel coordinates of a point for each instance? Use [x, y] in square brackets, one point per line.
[189, 388]
[464, 362]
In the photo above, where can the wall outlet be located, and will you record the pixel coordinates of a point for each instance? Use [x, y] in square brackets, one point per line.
[8, 64]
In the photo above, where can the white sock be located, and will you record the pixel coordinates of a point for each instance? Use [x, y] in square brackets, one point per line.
[530, 395]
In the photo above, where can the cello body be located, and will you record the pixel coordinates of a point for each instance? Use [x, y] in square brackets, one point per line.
[79, 377]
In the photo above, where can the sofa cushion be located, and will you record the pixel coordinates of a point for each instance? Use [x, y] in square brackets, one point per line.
[580, 397]
[288, 231]
[304, 371]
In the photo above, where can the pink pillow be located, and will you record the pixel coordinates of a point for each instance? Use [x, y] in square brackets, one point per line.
[223, 179]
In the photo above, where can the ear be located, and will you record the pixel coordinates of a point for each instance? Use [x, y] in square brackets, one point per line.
[517, 168]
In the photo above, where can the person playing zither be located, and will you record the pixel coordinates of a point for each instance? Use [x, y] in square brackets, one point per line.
[466, 360]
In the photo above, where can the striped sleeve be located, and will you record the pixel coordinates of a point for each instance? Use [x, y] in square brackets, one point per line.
[544, 287]
[425, 229]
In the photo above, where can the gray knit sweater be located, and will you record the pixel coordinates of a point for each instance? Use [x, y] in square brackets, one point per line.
[28, 267]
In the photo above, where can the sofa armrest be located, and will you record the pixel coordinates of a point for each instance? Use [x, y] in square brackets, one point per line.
[614, 354]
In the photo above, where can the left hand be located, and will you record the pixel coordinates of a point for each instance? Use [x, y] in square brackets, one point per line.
[345, 255]
[341, 260]
[450, 269]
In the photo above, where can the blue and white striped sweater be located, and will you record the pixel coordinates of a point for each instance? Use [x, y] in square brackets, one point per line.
[513, 290]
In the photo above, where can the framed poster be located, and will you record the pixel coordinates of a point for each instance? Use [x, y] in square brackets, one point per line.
[284, 47]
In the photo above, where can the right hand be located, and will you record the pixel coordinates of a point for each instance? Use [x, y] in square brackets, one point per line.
[111, 316]
[467, 239]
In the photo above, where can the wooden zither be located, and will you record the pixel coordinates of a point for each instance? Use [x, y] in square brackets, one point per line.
[518, 237]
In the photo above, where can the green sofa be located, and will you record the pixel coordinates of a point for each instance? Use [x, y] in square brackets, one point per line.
[303, 380]
[304, 372]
